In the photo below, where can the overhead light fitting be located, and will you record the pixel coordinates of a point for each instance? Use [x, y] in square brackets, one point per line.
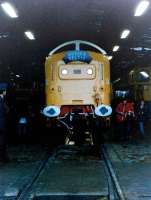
[137, 48]
[141, 8]
[147, 49]
[3, 35]
[116, 48]
[117, 80]
[30, 35]
[141, 49]
[144, 74]
[125, 34]
[9, 10]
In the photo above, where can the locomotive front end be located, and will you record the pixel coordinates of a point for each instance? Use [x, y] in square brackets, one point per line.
[77, 79]
[77, 87]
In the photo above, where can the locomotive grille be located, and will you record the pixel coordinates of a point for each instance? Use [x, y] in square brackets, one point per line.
[77, 71]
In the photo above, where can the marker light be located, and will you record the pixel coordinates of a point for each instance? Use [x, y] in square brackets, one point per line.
[141, 8]
[125, 34]
[144, 74]
[90, 71]
[64, 71]
[9, 10]
[115, 48]
[30, 35]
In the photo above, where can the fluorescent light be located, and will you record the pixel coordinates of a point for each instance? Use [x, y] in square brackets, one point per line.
[117, 80]
[30, 35]
[9, 9]
[71, 143]
[141, 49]
[110, 57]
[17, 75]
[144, 74]
[115, 48]
[125, 34]
[3, 35]
[137, 48]
[147, 49]
[141, 8]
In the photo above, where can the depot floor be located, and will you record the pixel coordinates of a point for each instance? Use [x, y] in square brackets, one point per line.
[131, 162]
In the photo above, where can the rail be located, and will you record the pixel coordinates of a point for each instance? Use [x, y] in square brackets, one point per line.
[24, 193]
[77, 46]
[115, 190]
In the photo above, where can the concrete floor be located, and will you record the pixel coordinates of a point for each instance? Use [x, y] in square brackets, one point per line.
[68, 174]
[70, 197]
[24, 160]
[71, 173]
[132, 163]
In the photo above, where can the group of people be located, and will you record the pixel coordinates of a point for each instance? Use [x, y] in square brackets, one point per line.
[15, 126]
[129, 118]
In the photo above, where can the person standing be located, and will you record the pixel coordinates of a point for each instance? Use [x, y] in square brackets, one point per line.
[3, 112]
[124, 115]
[141, 114]
[120, 112]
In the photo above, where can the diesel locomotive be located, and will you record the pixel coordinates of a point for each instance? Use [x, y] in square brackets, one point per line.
[77, 86]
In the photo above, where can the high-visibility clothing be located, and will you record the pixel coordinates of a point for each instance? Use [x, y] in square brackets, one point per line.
[123, 109]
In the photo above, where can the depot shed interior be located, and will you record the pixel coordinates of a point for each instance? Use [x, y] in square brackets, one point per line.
[55, 22]
[28, 35]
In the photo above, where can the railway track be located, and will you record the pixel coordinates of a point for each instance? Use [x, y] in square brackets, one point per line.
[24, 193]
[113, 186]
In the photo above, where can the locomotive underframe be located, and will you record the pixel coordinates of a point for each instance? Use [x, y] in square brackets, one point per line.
[81, 127]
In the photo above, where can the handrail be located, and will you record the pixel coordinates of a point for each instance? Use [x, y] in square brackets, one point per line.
[77, 46]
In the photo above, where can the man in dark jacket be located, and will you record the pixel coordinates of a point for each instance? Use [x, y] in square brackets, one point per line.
[3, 111]
[141, 114]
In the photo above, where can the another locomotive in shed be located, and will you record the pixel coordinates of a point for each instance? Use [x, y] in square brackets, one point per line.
[140, 84]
